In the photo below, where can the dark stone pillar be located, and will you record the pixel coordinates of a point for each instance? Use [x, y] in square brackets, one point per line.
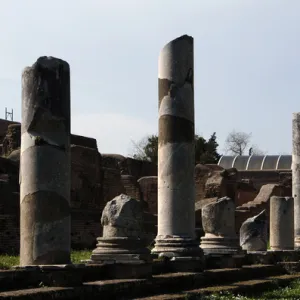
[45, 163]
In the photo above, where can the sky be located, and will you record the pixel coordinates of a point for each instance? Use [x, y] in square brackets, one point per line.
[247, 64]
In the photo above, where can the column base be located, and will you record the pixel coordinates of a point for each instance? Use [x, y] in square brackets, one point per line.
[120, 250]
[297, 243]
[221, 245]
[176, 247]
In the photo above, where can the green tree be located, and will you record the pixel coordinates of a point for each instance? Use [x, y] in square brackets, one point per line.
[205, 150]
[207, 153]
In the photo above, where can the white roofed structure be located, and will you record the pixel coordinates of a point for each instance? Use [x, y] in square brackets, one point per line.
[256, 162]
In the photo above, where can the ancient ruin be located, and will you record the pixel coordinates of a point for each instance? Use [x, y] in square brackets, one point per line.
[254, 233]
[123, 238]
[296, 175]
[218, 221]
[45, 163]
[176, 153]
[282, 223]
[66, 184]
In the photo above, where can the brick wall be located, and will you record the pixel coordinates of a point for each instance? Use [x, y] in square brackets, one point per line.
[148, 192]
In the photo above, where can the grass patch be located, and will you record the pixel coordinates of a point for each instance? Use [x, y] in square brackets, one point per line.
[291, 292]
[77, 256]
[8, 261]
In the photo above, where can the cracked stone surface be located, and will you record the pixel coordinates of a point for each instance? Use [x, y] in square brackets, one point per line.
[176, 188]
[218, 222]
[45, 163]
[254, 233]
[282, 223]
[296, 175]
[123, 233]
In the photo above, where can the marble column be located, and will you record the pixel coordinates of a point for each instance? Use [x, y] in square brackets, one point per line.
[296, 176]
[176, 153]
[282, 223]
[45, 163]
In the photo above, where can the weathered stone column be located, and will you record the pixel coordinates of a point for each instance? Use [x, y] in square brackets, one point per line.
[296, 176]
[282, 223]
[176, 156]
[45, 163]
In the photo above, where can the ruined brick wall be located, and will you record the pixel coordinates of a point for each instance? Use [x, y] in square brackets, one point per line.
[12, 139]
[131, 186]
[245, 192]
[10, 233]
[85, 228]
[9, 208]
[148, 192]
[112, 181]
[86, 179]
[260, 178]
[87, 199]
[3, 128]
[138, 168]
[201, 175]
[260, 203]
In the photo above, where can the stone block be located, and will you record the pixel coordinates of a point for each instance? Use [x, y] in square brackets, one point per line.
[254, 233]
[218, 221]
[123, 238]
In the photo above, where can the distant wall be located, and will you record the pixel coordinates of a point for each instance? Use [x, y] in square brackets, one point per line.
[260, 178]
[95, 180]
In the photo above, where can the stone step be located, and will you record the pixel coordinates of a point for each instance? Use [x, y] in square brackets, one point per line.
[159, 284]
[241, 287]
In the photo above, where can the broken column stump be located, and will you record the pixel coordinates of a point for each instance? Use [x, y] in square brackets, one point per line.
[123, 240]
[220, 243]
[281, 223]
[45, 163]
[254, 233]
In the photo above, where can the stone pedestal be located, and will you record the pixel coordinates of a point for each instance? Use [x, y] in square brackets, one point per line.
[123, 239]
[120, 250]
[281, 223]
[218, 221]
[176, 151]
[296, 176]
[45, 163]
[220, 243]
[254, 233]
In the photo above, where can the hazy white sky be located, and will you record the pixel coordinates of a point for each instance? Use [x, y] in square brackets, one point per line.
[247, 63]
